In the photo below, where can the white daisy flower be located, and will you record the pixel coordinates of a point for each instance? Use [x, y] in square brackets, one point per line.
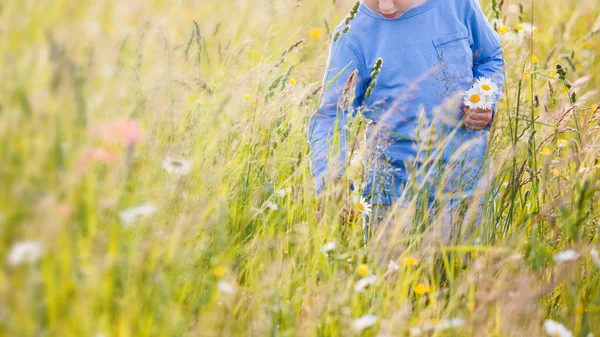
[362, 205]
[130, 215]
[226, 288]
[473, 98]
[568, 255]
[393, 266]
[328, 247]
[595, 257]
[556, 329]
[486, 86]
[271, 205]
[365, 283]
[176, 165]
[24, 252]
[364, 322]
[281, 192]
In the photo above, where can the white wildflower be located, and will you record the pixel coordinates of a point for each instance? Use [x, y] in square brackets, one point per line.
[226, 288]
[556, 329]
[281, 192]
[176, 165]
[362, 205]
[328, 247]
[24, 252]
[568, 255]
[393, 266]
[486, 86]
[364, 322]
[595, 257]
[130, 215]
[271, 205]
[365, 283]
[475, 99]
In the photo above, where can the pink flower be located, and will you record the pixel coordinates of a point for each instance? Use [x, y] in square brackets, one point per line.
[94, 154]
[121, 131]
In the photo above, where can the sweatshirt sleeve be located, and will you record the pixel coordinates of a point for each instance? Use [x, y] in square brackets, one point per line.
[331, 115]
[487, 50]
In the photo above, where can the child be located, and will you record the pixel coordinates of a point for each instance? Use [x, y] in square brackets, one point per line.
[432, 51]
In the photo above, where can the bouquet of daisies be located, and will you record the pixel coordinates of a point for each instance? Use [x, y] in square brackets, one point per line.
[482, 94]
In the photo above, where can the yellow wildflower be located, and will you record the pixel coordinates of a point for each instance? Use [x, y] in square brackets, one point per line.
[219, 271]
[535, 59]
[411, 261]
[546, 151]
[293, 81]
[421, 289]
[192, 98]
[520, 27]
[362, 269]
[316, 33]
[503, 29]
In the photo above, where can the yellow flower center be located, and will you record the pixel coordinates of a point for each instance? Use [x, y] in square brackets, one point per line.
[486, 87]
[503, 29]
[520, 27]
[361, 206]
[362, 269]
[474, 98]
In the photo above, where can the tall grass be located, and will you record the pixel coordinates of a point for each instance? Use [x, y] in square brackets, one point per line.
[233, 247]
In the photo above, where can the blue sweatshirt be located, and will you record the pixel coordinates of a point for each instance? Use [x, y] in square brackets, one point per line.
[431, 54]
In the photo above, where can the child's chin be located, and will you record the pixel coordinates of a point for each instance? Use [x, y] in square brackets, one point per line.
[389, 16]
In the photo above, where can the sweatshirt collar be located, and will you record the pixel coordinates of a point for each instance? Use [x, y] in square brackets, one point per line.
[408, 14]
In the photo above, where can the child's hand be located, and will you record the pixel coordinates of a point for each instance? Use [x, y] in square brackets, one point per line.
[477, 119]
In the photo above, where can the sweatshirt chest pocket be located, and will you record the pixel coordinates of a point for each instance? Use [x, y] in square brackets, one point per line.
[455, 56]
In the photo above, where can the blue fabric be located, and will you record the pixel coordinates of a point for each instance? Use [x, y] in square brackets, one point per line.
[429, 53]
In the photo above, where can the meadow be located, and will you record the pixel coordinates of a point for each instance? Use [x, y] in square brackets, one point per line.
[154, 180]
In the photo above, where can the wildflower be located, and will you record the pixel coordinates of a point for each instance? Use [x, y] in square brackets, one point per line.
[535, 59]
[474, 99]
[226, 288]
[421, 289]
[124, 131]
[566, 256]
[132, 214]
[94, 154]
[365, 283]
[219, 271]
[556, 329]
[316, 33]
[364, 322]
[503, 29]
[176, 165]
[362, 205]
[328, 247]
[595, 257]
[271, 205]
[486, 86]
[546, 151]
[293, 81]
[281, 192]
[362, 269]
[24, 252]
[411, 261]
[393, 266]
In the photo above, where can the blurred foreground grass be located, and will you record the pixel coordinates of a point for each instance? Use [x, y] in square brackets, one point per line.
[104, 104]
